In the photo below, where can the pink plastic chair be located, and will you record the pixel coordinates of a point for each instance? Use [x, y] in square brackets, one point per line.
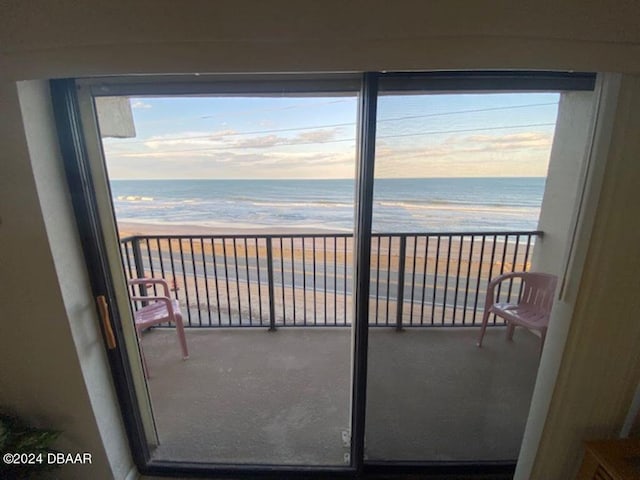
[159, 309]
[533, 309]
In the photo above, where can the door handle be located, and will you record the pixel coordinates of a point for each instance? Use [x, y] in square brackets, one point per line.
[106, 322]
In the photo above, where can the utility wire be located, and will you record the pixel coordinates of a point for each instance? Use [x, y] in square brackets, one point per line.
[229, 147]
[334, 125]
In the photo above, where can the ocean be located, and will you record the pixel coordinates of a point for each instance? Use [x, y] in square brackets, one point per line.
[400, 205]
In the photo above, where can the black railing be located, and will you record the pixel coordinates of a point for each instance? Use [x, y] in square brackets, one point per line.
[417, 279]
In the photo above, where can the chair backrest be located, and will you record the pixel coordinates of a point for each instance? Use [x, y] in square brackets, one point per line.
[538, 290]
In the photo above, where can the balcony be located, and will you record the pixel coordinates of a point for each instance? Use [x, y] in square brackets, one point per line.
[268, 379]
[417, 279]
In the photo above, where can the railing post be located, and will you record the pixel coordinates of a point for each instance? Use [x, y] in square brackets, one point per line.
[137, 261]
[400, 295]
[272, 305]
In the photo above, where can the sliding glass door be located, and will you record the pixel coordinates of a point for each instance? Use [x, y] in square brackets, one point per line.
[298, 268]
[459, 179]
[238, 205]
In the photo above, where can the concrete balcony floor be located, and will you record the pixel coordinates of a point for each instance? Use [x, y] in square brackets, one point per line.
[253, 396]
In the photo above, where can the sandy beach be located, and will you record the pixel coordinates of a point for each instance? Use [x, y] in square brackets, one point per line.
[126, 229]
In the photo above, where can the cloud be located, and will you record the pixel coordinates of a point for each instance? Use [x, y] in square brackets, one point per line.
[512, 141]
[245, 159]
[190, 139]
[140, 104]
[318, 159]
[224, 154]
[320, 135]
[188, 142]
[470, 144]
[228, 164]
[264, 141]
[518, 154]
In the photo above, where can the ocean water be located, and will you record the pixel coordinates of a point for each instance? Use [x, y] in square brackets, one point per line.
[400, 205]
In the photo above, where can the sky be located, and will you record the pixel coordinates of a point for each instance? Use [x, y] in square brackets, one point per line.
[420, 135]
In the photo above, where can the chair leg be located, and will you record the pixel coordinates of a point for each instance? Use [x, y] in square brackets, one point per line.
[510, 329]
[181, 337]
[485, 320]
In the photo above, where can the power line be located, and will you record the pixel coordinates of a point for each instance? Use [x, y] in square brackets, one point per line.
[469, 111]
[334, 125]
[213, 149]
[468, 130]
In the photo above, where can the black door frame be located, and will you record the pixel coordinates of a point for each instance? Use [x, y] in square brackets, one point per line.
[76, 162]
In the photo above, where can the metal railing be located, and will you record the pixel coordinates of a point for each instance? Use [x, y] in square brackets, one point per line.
[417, 279]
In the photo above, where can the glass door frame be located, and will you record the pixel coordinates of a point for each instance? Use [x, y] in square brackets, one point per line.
[81, 147]
[76, 157]
[375, 83]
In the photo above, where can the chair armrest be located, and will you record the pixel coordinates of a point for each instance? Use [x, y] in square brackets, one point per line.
[166, 300]
[151, 281]
[500, 278]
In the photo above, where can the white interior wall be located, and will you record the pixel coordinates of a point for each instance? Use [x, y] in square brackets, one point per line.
[565, 180]
[40, 38]
[600, 365]
[72, 277]
[572, 190]
[40, 371]
[53, 367]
